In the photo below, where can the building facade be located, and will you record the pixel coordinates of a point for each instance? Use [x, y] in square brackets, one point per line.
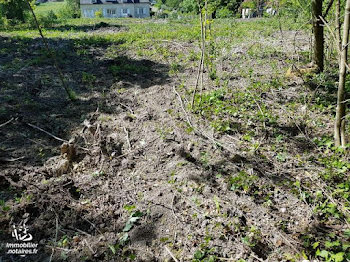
[115, 8]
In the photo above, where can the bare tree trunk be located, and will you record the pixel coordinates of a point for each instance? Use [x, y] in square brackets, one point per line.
[318, 34]
[339, 126]
[338, 26]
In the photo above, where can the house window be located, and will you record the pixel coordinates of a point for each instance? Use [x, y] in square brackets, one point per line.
[125, 11]
[141, 11]
[111, 11]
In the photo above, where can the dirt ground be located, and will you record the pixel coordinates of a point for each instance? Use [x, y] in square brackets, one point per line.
[127, 148]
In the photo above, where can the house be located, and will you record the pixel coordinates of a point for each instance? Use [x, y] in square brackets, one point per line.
[252, 8]
[115, 8]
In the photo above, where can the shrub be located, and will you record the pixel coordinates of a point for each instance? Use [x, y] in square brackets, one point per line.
[70, 10]
[224, 13]
[249, 4]
[49, 20]
[14, 10]
[99, 14]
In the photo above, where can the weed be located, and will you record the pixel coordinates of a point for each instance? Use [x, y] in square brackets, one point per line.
[242, 181]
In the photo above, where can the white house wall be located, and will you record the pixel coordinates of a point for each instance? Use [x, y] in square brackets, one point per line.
[89, 10]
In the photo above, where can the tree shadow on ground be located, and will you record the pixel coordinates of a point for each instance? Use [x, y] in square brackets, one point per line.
[31, 91]
[87, 28]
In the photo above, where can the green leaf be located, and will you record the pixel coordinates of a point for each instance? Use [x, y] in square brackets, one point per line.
[346, 246]
[137, 214]
[133, 219]
[124, 239]
[315, 245]
[211, 259]
[129, 207]
[338, 257]
[198, 254]
[128, 227]
[347, 232]
[329, 244]
[323, 253]
[112, 248]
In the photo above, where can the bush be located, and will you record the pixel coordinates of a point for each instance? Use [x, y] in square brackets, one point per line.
[70, 10]
[249, 4]
[14, 10]
[99, 14]
[224, 13]
[49, 20]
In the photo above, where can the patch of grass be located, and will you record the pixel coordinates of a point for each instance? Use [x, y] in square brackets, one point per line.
[44, 9]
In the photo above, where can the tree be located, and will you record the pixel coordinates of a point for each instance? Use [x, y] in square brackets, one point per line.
[339, 125]
[13, 9]
[189, 6]
[71, 9]
[318, 33]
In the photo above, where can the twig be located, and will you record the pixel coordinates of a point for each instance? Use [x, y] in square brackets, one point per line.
[335, 39]
[35, 142]
[80, 231]
[171, 254]
[127, 137]
[60, 248]
[93, 226]
[225, 259]
[257, 258]
[46, 132]
[65, 86]
[200, 67]
[182, 106]
[127, 107]
[93, 252]
[328, 8]
[262, 113]
[53, 250]
[4, 160]
[7, 122]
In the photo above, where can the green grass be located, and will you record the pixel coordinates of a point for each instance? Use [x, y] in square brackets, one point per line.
[44, 8]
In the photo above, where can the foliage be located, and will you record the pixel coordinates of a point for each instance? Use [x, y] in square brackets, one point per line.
[224, 7]
[224, 12]
[71, 9]
[48, 20]
[99, 14]
[189, 6]
[249, 4]
[14, 10]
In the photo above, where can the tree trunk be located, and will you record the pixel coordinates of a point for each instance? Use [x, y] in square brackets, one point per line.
[338, 25]
[339, 126]
[318, 34]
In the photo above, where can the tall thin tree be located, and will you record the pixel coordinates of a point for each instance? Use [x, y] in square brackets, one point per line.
[339, 125]
[318, 34]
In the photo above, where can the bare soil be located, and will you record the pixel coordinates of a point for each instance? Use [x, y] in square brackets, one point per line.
[131, 147]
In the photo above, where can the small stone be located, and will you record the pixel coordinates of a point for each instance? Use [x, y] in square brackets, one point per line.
[283, 209]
